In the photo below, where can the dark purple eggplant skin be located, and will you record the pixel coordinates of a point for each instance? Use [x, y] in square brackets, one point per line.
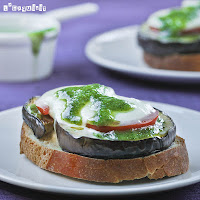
[106, 149]
[33, 122]
[158, 48]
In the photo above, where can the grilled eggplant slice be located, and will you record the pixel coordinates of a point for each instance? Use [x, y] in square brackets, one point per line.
[158, 48]
[40, 124]
[107, 149]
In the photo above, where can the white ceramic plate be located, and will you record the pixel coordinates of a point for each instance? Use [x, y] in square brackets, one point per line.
[118, 50]
[18, 170]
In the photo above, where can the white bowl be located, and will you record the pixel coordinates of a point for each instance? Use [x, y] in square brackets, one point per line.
[19, 61]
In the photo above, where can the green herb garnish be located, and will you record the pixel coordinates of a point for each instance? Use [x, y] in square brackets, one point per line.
[105, 107]
[177, 19]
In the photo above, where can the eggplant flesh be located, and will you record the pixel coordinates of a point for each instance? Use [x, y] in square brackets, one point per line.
[40, 127]
[107, 149]
[158, 48]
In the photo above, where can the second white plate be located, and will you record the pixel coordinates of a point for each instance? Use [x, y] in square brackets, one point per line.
[118, 50]
[18, 170]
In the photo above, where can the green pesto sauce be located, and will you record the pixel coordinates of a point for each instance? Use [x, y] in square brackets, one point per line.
[177, 19]
[37, 38]
[34, 111]
[158, 130]
[105, 107]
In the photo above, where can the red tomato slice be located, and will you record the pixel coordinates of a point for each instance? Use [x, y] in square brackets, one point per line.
[191, 31]
[44, 109]
[154, 29]
[123, 128]
[183, 32]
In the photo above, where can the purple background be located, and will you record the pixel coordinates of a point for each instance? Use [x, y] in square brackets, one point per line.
[72, 67]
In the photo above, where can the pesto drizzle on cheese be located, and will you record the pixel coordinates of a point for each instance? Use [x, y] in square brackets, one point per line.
[177, 19]
[157, 130]
[105, 107]
[32, 109]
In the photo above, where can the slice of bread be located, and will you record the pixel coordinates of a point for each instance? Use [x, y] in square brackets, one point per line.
[181, 62]
[47, 154]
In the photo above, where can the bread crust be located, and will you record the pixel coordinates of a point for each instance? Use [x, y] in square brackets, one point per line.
[181, 62]
[170, 162]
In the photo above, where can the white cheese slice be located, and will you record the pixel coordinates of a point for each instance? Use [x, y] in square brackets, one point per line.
[187, 3]
[56, 106]
[155, 22]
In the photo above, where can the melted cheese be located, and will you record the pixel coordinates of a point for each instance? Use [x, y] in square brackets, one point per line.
[187, 3]
[154, 21]
[140, 112]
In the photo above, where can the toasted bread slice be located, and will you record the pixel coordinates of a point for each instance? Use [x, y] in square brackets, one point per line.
[47, 154]
[181, 62]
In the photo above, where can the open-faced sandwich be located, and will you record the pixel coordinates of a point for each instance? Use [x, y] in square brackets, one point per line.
[88, 132]
[170, 38]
